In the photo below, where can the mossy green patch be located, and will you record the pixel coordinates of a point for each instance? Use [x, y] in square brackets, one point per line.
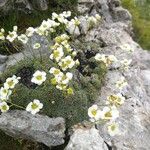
[57, 104]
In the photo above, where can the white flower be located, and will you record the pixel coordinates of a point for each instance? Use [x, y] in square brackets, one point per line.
[66, 78]
[75, 21]
[34, 107]
[39, 31]
[2, 37]
[92, 22]
[126, 47]
[45, 25]
[15, 28]
[4, 107]
[94, 113]
[107, 59]
[120, 84]
[100, 57]
[109, 113]
[2, 30]
[60, 18]
[55, 71]
[57, 54]
[62, 39]
[74, 53]
[115, 99]
[30, 31]
[66, 14]
[77, 62]
[54, 15]
[61, 87]
[66, 63]
[23, 38]
[69, 75]
[52, 23]
[11, 36]
[4, 94]
[113, 129]
[125, 64]
[38, 77]
[11, 82]
[36, 46]
[98, 17]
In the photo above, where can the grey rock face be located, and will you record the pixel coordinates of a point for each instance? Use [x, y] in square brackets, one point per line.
[5, 6]
[134, 120]
[40, 4]
[3, 59]
[85, 5]
[86, 139]
[22, 5]
[121, 14]
[21, 124]
[2, 67]
[29, 52]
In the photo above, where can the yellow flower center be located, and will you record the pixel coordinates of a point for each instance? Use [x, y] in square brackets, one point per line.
[113, 127]
[34, 106]
[56, 54]
[108, 115]
[4, 91]
[56, 71]
[39, 77]
[10, 83]
[4, 107]
[11, 35]
[113, 98]
[94, 112]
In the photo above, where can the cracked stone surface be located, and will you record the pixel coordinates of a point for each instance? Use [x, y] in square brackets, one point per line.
[21, 124]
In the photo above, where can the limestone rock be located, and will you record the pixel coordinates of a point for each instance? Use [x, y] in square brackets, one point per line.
[2, 67]
[5, 6]
[86, 139]
[3, 59]
[21, 124]
[29, 52]
[40, 4]
[23, 5]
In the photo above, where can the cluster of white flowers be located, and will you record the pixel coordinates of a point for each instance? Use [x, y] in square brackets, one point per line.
[127, 47]
[12, 35]
[63, 55]
[121, 83]
[125, 64]
[60, 79]
[110, 112]
[93, 20]
[6, 91]
[106, 59]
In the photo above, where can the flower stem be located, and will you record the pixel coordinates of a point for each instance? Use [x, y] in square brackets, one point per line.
[12, 104]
